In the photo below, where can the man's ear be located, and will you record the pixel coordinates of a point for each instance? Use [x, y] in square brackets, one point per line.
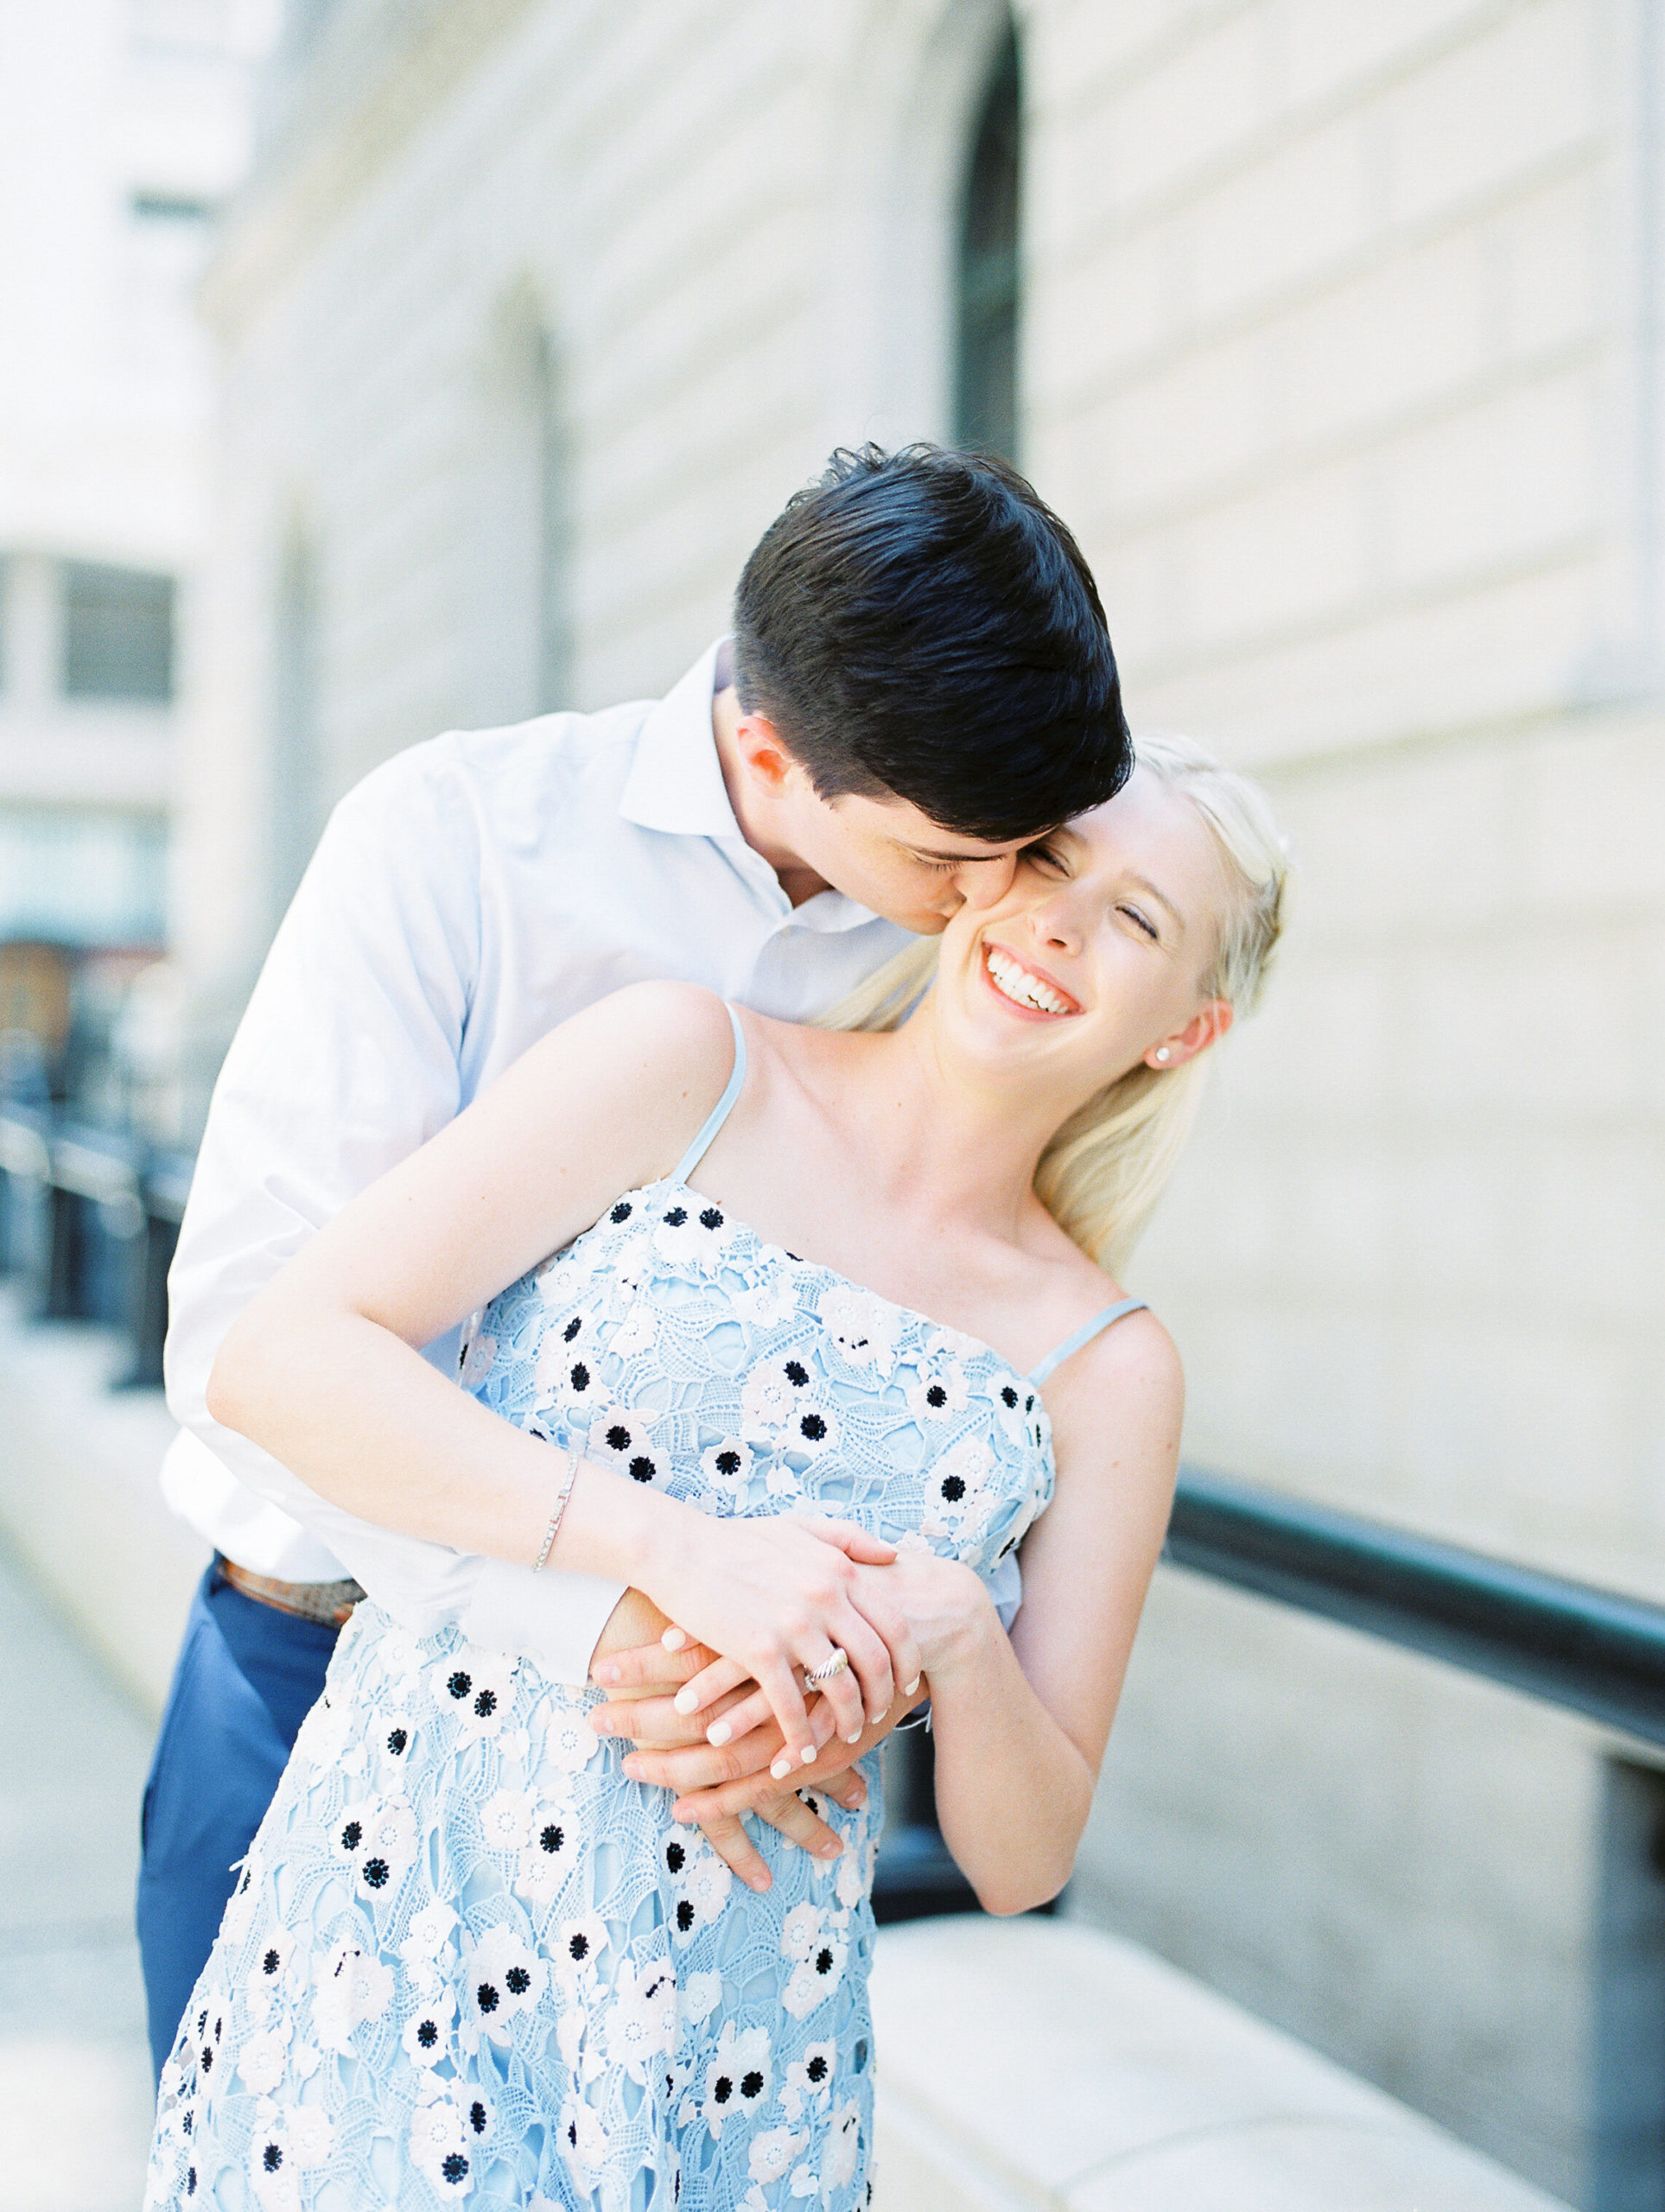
[763, 752]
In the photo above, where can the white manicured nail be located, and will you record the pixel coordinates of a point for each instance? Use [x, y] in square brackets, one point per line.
[877, 1717]
[808, 1755]
[857, 1737]
[782, 1768]
[908, 1688]
[686, 1701]
[718, 1733]
[673, 1639]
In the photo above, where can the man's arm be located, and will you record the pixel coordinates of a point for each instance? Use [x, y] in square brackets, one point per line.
[350, 1055]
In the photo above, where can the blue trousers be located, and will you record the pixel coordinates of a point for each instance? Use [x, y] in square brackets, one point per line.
[247, 1677]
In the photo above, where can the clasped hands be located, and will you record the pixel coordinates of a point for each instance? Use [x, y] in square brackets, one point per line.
[703, 1727]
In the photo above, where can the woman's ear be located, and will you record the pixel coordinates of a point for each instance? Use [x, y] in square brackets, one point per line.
[1205, 1028]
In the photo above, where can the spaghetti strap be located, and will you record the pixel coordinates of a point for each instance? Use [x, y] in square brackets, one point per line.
[1083, 1335]
[720, 1113]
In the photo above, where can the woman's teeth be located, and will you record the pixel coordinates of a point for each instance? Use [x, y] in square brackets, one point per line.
[1014, 981]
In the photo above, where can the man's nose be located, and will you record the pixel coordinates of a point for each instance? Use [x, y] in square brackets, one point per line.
[985, 883]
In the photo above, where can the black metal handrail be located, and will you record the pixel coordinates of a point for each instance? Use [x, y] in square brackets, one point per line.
[1572, 1643]
[89, 1222]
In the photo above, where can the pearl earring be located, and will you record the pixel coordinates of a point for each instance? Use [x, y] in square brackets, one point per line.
[1163, 1054]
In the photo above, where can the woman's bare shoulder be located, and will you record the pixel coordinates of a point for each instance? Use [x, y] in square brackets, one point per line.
[679, 1031]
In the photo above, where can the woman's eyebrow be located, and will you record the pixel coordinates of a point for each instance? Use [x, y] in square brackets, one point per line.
[1143, 883]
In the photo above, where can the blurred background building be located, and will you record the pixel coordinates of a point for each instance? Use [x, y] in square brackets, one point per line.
[123, 126]
[1335, 332]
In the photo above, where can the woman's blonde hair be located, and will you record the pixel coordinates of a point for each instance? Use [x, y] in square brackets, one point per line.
[1101, 1176]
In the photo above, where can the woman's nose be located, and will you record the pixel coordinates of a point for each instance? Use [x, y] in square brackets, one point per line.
[1054, 922]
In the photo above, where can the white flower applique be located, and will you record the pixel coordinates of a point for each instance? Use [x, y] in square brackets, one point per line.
[274, 2171]
[388, 1739]
[624, 1441]
[503, 1977]
[550, 1852]
[843, 2150]
[583, 2138]
[940, 1389]
[691, 1230]
[809, 2081]
[262, 2060]
[428, 1934]
[506, 1820]
[636, 1333]
[272, 1979]
[479, 1354]
[575, 1950]
[766, 1301]
[427, 2034]
[439, 2141]
[564, 1372]
[737, 2079]
[726, 1467]
[817, 1951]
[559, 1281]
[862, 1326]
[769, 2155]
[475, 1686]
[569, 1742]
[350, 1987]
[770, 1395]
[378, 1841]
[703, 1882]
[325, 1733]
[639, 2022]
[956, 1489]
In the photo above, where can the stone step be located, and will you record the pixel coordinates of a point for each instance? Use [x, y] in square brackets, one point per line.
[1036, 2065]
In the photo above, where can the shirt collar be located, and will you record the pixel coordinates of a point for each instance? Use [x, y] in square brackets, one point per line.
[675, 783]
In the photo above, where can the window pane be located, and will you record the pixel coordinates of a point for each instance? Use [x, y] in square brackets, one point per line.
[119, 633]
[985, 409]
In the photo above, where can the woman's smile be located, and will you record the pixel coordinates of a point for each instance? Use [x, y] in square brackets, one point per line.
[1033, 991]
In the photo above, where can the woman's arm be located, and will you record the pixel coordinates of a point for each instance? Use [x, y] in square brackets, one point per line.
[1021, 1723]
[322, 1368]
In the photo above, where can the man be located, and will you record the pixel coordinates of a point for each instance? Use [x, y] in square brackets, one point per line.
[920, 682]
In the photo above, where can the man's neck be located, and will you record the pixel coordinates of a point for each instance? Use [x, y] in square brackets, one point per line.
[753, 811]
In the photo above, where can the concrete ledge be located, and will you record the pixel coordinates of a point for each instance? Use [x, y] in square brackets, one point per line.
[1039, 2066]
[79, 1503]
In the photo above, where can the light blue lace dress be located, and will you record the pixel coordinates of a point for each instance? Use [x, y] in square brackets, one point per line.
[468, 1958]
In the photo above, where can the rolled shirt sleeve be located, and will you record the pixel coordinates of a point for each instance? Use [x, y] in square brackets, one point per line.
[351, 1054]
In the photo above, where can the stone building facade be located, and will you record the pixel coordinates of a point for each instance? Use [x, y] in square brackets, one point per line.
[1339, 345]
[123, 126]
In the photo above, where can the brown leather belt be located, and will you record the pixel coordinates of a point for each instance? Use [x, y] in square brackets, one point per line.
[329, 1604]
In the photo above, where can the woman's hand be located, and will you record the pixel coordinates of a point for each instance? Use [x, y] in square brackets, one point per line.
[934, 1608]
[777, 1597]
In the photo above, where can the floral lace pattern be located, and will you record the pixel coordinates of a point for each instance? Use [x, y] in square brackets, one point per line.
[468, 1958]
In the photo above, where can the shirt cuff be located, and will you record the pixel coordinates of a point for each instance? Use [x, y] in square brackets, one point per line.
[554, 1618]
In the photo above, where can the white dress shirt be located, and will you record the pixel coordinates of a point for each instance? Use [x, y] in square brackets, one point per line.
[467, 896]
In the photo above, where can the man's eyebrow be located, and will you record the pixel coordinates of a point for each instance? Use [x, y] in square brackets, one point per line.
[960, 860]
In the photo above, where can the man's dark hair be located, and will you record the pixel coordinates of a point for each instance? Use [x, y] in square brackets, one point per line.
[920, 625]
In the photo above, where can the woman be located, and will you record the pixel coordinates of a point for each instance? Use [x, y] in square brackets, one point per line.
[467, 1955]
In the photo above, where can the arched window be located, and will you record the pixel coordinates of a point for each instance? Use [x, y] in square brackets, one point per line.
[521, 651]
[986, 383]
[297, 793]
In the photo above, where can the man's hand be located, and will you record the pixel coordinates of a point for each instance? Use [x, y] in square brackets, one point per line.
[642, 1679]
[718, 1783]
